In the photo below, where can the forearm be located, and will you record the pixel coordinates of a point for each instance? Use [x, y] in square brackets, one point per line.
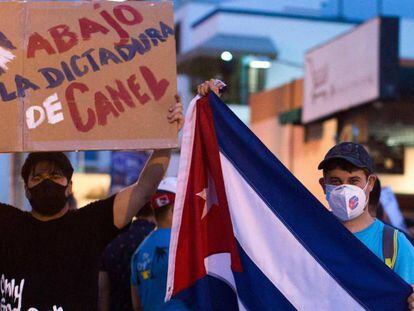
[152, 174]
[136, 301]
[129, 201]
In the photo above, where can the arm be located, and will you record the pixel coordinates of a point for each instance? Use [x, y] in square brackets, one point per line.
[136, 301]
[129, 200]
[104, 294]
[411, 300]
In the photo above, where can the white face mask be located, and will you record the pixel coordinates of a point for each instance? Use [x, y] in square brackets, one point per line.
[346, 201]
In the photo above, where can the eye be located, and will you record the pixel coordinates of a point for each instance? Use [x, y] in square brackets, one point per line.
[335, 182]
[36, 178]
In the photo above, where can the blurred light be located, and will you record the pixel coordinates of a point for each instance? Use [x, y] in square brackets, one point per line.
[226, 56]
[260, 64]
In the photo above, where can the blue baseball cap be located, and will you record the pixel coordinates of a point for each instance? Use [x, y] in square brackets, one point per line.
[353, 153]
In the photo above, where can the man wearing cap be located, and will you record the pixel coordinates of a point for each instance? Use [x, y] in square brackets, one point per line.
[348, 179]
[49, 257]
[149, 264]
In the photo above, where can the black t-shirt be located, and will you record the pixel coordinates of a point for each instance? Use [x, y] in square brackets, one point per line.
[53, 265]
[116, 261]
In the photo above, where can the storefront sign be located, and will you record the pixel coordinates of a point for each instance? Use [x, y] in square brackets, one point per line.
[356, 68]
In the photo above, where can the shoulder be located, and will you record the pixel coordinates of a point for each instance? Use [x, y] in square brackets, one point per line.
[148, 241]
[8, 210]
[404, 244]
[96, 207]
[405, 259]
[378, 224]
[100, 203]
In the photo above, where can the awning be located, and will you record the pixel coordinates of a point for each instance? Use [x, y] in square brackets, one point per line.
[291, 117]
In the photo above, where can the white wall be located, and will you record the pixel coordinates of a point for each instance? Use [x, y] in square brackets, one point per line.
[291, 37]
[186, 16]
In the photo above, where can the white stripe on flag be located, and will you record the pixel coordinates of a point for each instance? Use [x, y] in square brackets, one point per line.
[219, 266]
[183, 172]
[277, 252]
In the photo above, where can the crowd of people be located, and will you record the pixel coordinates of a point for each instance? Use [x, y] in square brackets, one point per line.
[96, 257]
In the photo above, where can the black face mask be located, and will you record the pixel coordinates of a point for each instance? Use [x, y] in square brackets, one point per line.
[48, 198]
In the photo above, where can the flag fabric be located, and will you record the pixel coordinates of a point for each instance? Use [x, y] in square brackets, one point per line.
[247, 235]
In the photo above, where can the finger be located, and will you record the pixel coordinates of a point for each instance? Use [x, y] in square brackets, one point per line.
[206, 87]
[175, 110]
[174, 114]
[177, 98]
[200, 90]
[175, 107]
[215, 86]
[179, 122]
[175, 117]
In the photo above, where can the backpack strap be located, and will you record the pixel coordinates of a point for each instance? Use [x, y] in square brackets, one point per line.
[390, 245]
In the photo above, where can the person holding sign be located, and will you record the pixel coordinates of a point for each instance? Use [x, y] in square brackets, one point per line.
[49, 257]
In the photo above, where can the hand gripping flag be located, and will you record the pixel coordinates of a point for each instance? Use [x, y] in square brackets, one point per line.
[247, 235]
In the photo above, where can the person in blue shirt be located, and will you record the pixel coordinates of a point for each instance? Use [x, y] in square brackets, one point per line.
[348, 179]
[149, 264]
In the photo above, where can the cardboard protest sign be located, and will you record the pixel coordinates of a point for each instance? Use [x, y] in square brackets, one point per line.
[86, 75]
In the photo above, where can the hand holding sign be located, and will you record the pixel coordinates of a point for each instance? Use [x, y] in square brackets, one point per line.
[176, 113]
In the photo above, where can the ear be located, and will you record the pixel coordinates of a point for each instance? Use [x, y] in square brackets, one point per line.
[371, 182]
[322, 183]
[69, 189]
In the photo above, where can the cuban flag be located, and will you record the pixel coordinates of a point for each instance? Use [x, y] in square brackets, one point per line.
[247, 235]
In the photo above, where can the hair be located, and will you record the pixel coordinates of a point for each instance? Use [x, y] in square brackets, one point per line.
[57, 158]
[375, 194]
[161, 213]
[146, 211]
[343, 165]
[374, 199]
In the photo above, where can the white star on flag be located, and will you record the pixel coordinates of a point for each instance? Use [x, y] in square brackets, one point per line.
[209, 195]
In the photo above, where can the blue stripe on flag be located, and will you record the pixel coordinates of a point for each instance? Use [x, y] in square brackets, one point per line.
[209, 294]
[255, 290]
[358, 270]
